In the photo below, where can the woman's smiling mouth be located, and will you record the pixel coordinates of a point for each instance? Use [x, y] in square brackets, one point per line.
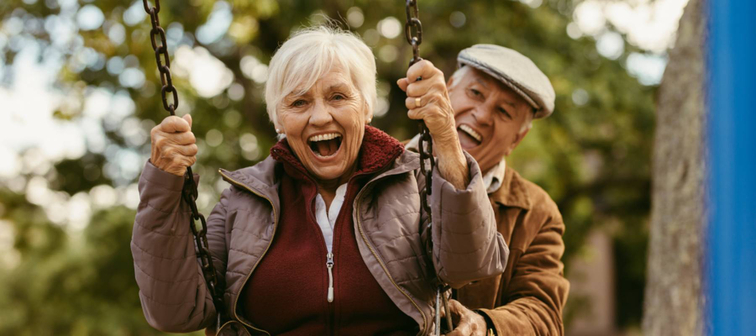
[325, 145]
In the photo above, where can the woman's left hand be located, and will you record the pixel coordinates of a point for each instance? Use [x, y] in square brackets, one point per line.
[428, 100]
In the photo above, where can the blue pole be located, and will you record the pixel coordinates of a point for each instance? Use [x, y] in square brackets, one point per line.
[731, 264]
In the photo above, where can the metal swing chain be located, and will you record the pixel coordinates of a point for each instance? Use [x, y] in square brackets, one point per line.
[189, 192]
[413, 24]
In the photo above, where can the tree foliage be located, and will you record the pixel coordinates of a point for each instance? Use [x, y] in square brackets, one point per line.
[592, 155]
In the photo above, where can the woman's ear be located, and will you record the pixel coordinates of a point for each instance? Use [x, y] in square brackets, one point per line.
[368, 113]
[279, 128]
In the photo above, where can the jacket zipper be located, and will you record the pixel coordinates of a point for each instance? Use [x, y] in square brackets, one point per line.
[329, 265]
[275, 226]
[380, 262]
[329, 255]
[364, 238]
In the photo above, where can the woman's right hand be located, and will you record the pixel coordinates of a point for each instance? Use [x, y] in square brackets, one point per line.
[173, 145]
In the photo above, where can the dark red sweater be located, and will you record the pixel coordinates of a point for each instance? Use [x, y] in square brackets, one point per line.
[287, 293]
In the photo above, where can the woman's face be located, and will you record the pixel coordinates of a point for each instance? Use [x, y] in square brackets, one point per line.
[325, 126]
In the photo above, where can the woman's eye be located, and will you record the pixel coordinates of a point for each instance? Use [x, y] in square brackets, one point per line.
[338, 97]
[299, 103]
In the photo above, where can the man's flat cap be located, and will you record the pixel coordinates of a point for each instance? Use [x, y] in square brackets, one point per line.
[514, 70]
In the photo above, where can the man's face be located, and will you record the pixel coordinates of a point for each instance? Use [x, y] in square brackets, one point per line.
[490, 116]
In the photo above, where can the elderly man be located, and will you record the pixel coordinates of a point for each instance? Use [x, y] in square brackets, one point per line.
[495, 94]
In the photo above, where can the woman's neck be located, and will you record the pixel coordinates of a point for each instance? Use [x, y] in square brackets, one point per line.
[327, 188]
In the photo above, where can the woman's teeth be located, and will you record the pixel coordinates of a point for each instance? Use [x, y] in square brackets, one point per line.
[475, 135]
[323, 137]
[325, 145]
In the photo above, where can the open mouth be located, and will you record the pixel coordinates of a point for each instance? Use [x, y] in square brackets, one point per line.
[468, 137]
[325, 145]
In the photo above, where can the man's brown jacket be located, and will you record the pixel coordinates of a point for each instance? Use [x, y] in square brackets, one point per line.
[527, 299]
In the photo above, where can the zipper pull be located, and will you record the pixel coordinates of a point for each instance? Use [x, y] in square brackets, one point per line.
[329, 265]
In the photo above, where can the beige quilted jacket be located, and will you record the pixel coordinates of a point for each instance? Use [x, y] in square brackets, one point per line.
[400, 251]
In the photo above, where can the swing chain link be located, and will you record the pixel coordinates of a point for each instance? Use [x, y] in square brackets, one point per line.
[413, 25]
[413, 21]
[157, 33]
[425, 147]
[189, 192]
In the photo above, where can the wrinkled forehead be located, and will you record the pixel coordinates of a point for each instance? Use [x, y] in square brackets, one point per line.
[331, 72]
[335, 80]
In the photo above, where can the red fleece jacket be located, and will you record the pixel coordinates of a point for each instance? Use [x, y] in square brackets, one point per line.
[287, 294]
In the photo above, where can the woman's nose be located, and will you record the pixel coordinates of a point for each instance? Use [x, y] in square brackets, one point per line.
[321, 115]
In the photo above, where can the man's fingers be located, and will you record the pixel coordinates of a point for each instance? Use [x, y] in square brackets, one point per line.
[174, 124]
[463, 327]
[461, 330]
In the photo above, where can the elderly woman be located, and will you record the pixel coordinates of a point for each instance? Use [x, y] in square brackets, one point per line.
[324, 236]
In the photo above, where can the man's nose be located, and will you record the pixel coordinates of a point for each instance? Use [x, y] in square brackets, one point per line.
[321, 115]
[482, 115]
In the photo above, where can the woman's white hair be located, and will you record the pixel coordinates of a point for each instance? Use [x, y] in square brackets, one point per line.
[311, 53]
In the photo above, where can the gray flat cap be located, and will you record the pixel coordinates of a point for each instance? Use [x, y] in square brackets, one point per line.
[514, 70]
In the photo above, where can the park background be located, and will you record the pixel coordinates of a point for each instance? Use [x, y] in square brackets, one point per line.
[79, 94]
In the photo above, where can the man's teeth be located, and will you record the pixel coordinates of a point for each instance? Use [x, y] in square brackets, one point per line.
[324, 137]
[471, 132]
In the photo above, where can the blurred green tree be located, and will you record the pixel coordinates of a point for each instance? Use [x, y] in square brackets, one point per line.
[592, 155]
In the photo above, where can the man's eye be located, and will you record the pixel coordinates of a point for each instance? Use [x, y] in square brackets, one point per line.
[475, 93]
[299, 103]
[505, 113]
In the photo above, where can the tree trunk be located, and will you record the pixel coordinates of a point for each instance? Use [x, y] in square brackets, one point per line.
[674, 303]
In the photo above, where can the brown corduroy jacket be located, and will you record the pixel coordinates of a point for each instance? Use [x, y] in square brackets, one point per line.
[527, 299]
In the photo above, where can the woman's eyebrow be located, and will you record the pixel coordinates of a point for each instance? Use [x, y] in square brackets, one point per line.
[339, 87]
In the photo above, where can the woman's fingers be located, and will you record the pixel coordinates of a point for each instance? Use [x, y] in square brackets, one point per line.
[173, 145]
[174, 124]
[423, 70]
[184, 138]
[175, 159]
[428, 100]
[424, 86]
[402, 83]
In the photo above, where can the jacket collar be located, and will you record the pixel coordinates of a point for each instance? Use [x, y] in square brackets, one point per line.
[377, 152]
[388, 158]
[512, 192]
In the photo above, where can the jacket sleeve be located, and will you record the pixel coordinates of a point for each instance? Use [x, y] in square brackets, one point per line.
[172, 288]
[537, 290]
[466, 244]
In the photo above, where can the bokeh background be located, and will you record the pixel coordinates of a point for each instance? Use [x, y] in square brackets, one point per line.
[79, 93]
